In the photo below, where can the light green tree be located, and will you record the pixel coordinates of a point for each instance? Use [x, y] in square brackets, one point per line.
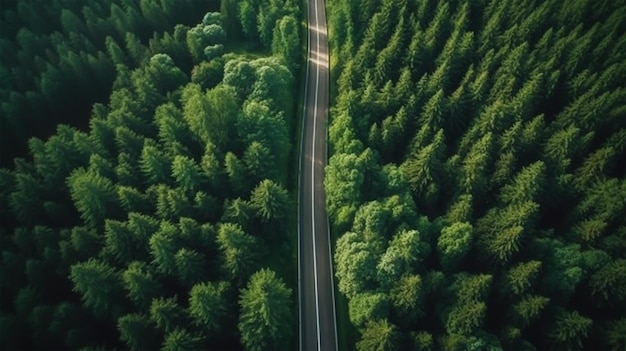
[380, 335]
[270, 200]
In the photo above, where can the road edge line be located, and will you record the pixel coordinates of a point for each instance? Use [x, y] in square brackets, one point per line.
[302, 126]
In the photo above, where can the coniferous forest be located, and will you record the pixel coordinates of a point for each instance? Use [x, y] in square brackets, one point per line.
[476, 177]
[476, 181]
[146, 149]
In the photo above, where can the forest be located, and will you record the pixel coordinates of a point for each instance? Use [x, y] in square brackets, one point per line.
[475, 184]
[145, 190]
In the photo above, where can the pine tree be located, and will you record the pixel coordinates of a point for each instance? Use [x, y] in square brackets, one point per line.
[190, 266]
[570, 329]
[94, 195]
[265, 319]
[465, 318]
[529, 308]
[141, 284]
[136, 331]
[270, 200]
[616, 334]
[163, 247]
[155, 164]
[182, 340]
[236, 173]
[166, 314]
[453, 244]
[608, 281]
[521, 277]
[239, 250]
[99, 286]
[187, 174]
[208, 305]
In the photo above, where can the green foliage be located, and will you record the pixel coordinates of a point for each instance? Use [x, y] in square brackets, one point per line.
[355, 262]
[141, 284]
[208, 304]
[570, 328]
[403, 253]
[240, 75]
[190, 266]
[93, 195]
[181, 340]
[521, 277]
[406, 296]
[187, 173]
[265, 319]
[99, 286]
[454, 243]
[616, 334]
[368, 307]
[239, 252]
[138, 195]
[379, 335]
[259, 162]
[466, 318]
[166, 314]
[422, 341]
[136, 331]
[529, 308]
[163, 247]
[286, 41]
[344, 177]
[609, 281]
[270, 200]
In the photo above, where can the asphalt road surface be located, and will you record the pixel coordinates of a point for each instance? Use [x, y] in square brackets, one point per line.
[318, 330]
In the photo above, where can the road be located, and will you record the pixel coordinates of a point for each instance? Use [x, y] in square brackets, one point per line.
[318, 330]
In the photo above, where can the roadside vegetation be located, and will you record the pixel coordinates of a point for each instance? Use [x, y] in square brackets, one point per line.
[476, 177]
[146, 149]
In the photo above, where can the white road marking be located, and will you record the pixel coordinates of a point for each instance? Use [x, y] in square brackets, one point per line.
[317, 84]
[322, 60]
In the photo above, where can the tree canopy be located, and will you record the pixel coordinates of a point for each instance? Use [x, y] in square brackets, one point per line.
[145, 174]
[475, 180]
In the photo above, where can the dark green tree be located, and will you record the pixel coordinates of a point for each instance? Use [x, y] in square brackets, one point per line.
[136, 331]
[166, 314]
[94, 195]
[99, 286]
[239, 252]
[141, 284]
[570, 328]
[208, 305]
[265, 319]
[190, 266]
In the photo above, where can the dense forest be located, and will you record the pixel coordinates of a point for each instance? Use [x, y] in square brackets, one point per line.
[476, 178]
[144, 195]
